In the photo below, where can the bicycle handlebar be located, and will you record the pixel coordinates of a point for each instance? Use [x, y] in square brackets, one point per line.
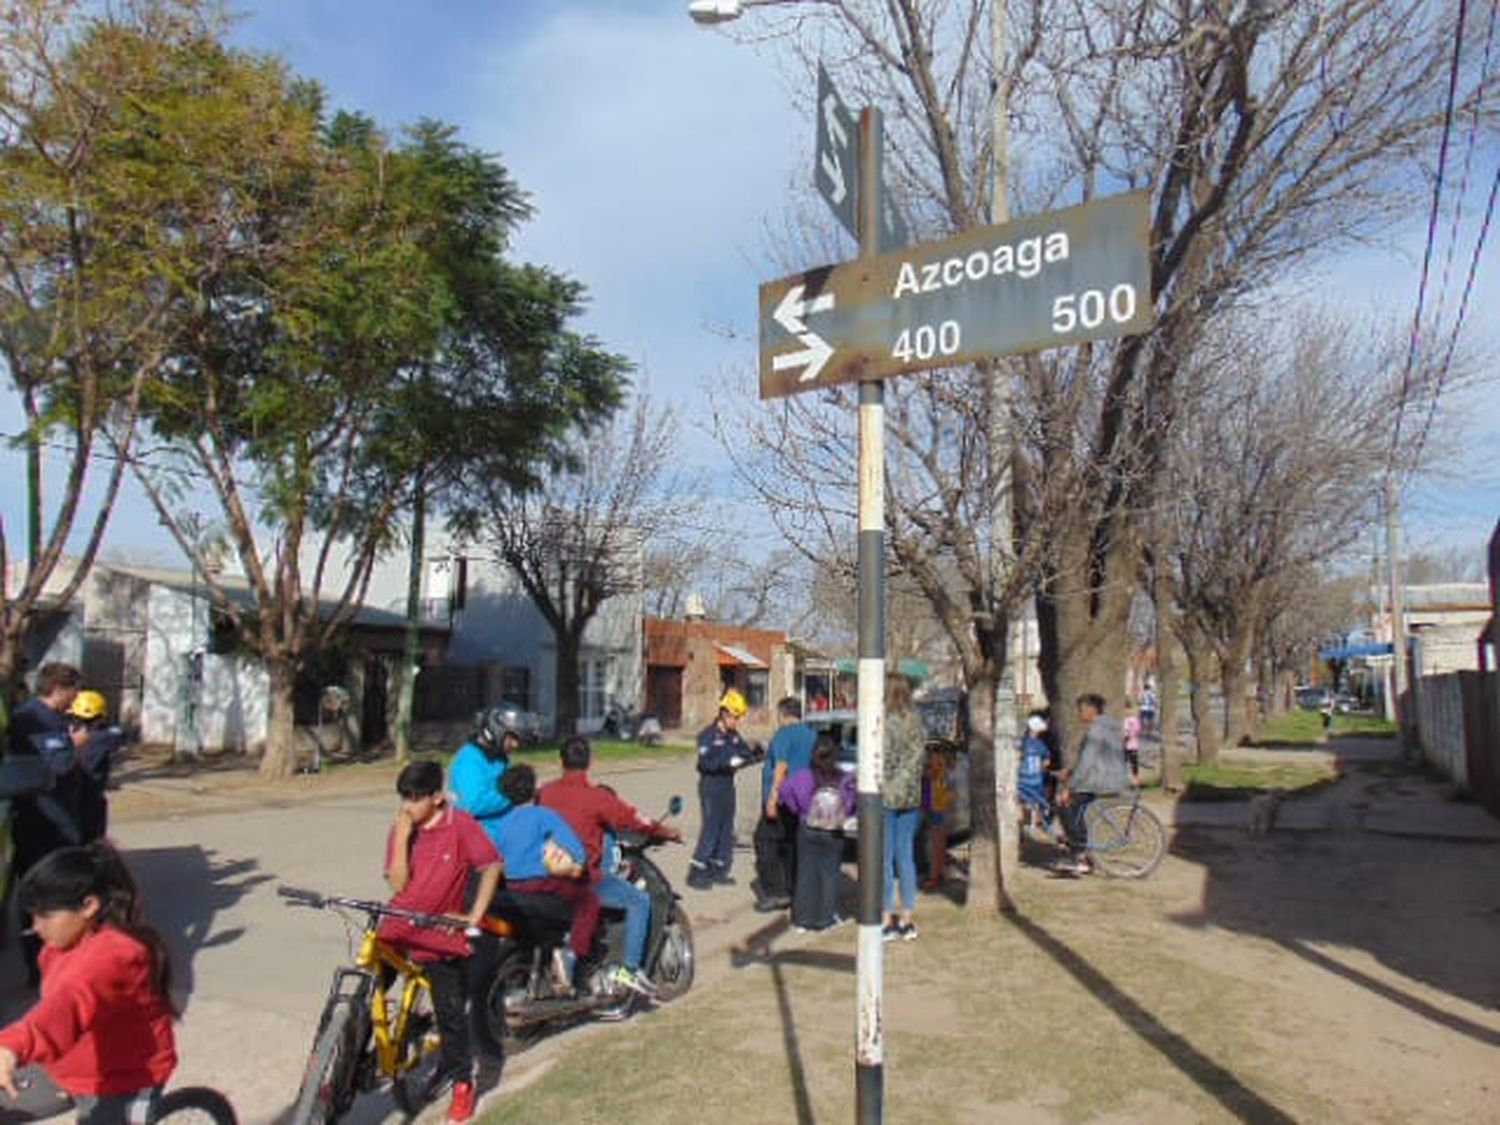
[299, 896]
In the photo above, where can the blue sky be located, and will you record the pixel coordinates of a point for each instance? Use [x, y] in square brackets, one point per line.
[657, 154]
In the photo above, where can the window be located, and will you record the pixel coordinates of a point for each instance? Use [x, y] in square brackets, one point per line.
[592, 681]
[756, 683]
[515, 686]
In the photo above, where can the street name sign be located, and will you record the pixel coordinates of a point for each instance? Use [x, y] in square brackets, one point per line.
[836, 168]
[1064, 277]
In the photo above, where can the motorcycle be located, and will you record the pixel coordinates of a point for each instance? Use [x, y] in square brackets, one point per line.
[523, 988]
[629, 725]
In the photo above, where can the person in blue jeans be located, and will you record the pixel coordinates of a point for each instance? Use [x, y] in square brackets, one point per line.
[905, 760]
[592, 811]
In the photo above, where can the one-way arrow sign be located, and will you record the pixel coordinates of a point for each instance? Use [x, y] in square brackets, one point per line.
[1060, 278]
[835, 161]
[792, 315]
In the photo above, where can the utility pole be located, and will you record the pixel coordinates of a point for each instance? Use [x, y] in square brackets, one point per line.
[1398, 615]
[1001, 533]
[869, 1059]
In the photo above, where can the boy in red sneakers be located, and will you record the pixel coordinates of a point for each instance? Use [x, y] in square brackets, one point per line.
[432, 852]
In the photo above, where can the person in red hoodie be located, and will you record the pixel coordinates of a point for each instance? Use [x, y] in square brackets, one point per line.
[591, 810]
[103, 1026]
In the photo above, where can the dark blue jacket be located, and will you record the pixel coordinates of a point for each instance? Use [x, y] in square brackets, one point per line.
[716, 746]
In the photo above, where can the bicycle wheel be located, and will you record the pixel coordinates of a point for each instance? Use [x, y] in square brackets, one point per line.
[674, 964]
[419, 1057]
[194, 1104]
[327, 1089]
[1126, 840]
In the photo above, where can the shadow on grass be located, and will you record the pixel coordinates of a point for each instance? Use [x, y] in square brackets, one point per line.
[1394, 995]
[757, 949]
[1214, 1079]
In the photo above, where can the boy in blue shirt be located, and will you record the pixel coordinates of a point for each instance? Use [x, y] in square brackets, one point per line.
[545, 862]
[475, 773]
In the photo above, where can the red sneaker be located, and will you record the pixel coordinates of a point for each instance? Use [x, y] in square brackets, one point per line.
[462, 1106]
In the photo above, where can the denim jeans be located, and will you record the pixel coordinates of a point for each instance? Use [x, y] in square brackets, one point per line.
[615, 893]
[901, 856]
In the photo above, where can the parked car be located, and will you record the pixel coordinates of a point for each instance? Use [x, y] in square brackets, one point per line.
[946, 720]
[1311, 697]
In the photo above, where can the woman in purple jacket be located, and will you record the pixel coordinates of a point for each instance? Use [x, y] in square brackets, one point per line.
[823, 798]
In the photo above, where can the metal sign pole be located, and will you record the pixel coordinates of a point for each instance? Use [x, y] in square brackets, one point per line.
[869, 1059]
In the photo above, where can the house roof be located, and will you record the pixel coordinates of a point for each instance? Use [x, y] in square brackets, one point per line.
[733, 654]
[237, 589]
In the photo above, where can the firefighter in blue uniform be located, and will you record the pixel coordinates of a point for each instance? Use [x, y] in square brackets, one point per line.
[721, 751]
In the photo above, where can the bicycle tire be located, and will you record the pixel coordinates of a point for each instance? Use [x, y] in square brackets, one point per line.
[419, 1058]
[1126, 840]
[327, 1088]
[194, 1103]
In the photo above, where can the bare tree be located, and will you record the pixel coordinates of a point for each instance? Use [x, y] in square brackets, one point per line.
[1270, 476]
[579, 539]
[1266, 133]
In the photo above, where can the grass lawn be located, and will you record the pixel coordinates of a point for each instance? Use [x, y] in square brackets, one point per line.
[1239, 781]
[1298, 727]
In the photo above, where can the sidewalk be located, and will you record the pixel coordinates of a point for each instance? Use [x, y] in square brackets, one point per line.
[1376, 794]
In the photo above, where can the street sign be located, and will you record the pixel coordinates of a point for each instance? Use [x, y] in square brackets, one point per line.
[1083, 273]
[835, 159]
[836, 166]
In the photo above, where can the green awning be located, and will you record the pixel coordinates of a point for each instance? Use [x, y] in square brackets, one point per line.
[911, 669]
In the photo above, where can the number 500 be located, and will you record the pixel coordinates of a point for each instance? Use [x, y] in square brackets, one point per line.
[1092, 307]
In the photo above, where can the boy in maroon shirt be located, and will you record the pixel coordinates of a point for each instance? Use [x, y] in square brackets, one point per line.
[432, 852]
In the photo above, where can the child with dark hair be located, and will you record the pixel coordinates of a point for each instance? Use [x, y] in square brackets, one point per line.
[432, 854]
[822, 797]
[546, 864]
[103, 1026]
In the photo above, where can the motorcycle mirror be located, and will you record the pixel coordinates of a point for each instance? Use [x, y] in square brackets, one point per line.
[674, 806]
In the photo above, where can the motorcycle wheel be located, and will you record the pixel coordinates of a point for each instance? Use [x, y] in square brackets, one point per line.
[497, 1030]
[674, 964]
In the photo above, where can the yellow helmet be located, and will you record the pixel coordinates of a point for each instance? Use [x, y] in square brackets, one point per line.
[734, 703]
[88, 705]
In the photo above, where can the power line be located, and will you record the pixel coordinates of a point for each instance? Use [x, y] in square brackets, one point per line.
[1432, 227]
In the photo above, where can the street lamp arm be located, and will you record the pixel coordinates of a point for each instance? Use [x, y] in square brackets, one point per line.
[709, 12]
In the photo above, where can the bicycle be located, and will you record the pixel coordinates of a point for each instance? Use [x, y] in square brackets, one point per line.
[181, 1106]
[365, 1034]
[1125, 839]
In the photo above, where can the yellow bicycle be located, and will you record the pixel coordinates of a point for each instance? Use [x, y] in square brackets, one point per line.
[369, 1030]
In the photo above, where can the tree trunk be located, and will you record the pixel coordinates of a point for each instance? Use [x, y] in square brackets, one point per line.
[407, 689]
[280, 758]
[987, 892]
[1204, 724]
[1232, 680]
[569, 643]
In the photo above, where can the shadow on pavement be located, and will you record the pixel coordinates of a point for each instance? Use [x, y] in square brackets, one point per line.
[184, 889]
[1427, 909]
[1214, 1079]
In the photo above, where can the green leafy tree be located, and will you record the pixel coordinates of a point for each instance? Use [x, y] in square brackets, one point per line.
[111, 153]
[507, 382]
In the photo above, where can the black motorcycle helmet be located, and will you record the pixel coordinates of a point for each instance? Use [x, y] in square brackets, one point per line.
[490, 737]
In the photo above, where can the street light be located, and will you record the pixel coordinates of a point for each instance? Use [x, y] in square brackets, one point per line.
[715, 11]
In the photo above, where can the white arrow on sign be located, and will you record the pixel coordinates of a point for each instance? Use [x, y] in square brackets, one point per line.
[791, 313]
[839, 140]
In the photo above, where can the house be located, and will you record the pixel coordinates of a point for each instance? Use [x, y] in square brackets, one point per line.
[691, 663]
[499, 646]
[175, 671]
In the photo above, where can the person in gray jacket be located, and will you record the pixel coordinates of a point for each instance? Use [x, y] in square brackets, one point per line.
[1097, 768]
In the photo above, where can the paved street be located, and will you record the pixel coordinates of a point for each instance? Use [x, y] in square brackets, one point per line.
[253, 972]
